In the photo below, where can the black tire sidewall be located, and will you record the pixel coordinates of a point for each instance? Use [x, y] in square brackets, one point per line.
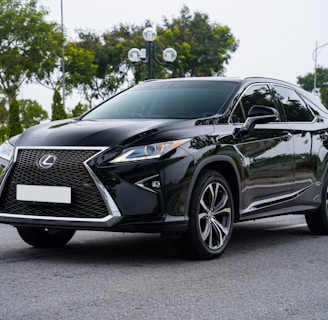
[40, 238]
[207, 177]
[318, 221]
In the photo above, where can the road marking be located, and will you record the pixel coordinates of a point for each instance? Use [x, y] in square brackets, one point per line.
[294, 226]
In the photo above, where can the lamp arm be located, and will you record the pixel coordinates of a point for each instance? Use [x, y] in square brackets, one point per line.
[165, 64]
[315, 51]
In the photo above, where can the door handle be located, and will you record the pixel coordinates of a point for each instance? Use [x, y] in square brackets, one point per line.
[324, 136]
[286, 136]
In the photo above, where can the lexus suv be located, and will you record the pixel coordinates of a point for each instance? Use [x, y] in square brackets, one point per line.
[185, 157]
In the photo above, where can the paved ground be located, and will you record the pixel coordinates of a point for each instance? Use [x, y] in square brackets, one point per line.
[273, 269]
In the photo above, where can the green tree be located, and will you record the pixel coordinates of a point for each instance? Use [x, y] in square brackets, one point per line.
[81, 70]
[79, 109]
[324, 96]
[203, 48]
[110, 50]
[3, 120]
[117, 43]
[97, 64]
[307, 83]
[14, 124]
[28, 44]
[57, 107]
[3, 112]
[31, 113]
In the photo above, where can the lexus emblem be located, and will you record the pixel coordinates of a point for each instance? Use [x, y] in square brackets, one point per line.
[47, 161]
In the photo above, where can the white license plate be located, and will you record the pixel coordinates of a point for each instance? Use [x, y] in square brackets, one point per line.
[52, 194]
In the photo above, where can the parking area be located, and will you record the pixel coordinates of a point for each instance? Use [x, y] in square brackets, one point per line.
[273, 269]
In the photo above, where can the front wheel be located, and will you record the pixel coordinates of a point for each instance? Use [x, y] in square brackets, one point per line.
[211, 216]
[45, 237]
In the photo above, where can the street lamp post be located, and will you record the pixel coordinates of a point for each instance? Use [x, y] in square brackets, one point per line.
[315, 58]
[63, 51]
[144, 55]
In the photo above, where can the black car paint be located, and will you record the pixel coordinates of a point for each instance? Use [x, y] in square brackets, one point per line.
[248, 160]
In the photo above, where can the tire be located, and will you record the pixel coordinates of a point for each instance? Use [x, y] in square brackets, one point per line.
[45, 237]
[211, 216]
[318, 221]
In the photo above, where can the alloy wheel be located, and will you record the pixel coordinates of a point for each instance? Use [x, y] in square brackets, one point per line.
[214, 217]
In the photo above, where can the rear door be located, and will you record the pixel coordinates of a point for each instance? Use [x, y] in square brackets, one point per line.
[305, 131]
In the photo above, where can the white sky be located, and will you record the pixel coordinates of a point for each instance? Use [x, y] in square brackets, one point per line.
[277, 37]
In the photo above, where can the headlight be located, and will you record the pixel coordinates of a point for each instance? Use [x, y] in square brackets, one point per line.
[6, 151]
[150, 151]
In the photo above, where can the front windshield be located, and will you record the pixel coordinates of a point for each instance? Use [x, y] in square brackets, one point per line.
[166, 100]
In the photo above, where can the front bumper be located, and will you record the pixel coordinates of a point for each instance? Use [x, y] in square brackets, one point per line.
[118, 198]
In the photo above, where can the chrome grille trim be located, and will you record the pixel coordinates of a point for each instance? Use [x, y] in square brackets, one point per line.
[114, 213]
[110, 204]
[5, 174]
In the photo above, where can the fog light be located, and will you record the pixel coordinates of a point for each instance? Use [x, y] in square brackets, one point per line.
[156, 184]
[152, 183]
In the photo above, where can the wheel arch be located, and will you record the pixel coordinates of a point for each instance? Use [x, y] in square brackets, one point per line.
[324, 167]
[323, 175]
[225, 166]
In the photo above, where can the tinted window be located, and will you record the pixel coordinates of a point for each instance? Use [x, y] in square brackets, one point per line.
[317, 108]
[167, 99]
[294, 107]
[255, 95]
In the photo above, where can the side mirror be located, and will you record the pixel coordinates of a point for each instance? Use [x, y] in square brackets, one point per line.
[256, 115]
[259, 114]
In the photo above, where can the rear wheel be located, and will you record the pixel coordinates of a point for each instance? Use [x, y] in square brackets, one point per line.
[45, 237]
[318, 221]
[211, 216]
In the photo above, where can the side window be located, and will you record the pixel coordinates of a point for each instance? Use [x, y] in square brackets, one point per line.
[294, 107]
[317, 109]
[254, 95]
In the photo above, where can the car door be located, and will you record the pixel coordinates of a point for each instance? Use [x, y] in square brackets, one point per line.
[305, 131]
[266, 155]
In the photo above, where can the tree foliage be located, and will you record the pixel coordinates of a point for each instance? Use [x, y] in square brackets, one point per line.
[324, 96]
[79, 109]
[81, 70]
[29, 47]
[28, 44]
[307, 83]
[3, 112]
[23, 114]
[57, 107]
[110, 55]
[3, 120]
[14, 124]
[31, 113]
[96, 65]
[203, 47]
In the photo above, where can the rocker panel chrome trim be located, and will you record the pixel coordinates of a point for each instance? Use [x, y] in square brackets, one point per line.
[272, 201]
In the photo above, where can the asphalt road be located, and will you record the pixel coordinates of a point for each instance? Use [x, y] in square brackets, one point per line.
[273, 269]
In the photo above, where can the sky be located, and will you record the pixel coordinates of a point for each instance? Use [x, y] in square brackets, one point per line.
[276, 38]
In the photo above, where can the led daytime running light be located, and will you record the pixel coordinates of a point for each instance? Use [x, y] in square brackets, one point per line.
[146, 152]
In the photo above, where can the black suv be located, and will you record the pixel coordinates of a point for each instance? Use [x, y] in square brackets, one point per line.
[185, 157]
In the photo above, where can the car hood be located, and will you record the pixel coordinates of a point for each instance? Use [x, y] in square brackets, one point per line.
[71, 132]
